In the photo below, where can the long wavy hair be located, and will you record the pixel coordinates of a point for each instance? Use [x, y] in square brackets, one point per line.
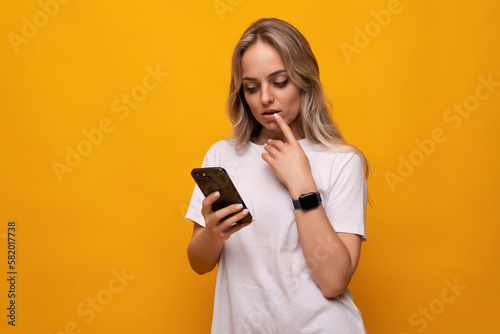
[314, 119]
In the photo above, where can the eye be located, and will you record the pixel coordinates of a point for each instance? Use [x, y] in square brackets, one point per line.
[281, 83]
[252, 89]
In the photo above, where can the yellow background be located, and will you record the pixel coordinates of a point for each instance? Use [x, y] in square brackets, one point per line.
[122, 206]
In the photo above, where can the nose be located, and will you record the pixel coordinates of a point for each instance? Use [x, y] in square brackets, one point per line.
[266, 96]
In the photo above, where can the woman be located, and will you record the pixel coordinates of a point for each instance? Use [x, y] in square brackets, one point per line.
[288, 270]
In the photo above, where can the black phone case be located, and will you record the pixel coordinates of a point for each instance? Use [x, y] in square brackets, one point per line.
[212, 179]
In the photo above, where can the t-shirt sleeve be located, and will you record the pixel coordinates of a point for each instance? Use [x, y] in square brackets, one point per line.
[194, 209]
[346, 204]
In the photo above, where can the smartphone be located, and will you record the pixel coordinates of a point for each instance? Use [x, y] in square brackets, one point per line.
[212, 179]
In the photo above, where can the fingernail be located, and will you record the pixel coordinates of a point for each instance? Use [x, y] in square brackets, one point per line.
[269, 140]
[239, 206]
[265, 144]
[244, 212]
[216, 193]
[276, 115]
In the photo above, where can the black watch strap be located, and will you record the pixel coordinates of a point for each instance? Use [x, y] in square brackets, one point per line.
[307, 201]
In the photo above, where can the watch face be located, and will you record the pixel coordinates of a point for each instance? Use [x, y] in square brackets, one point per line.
[308, 201]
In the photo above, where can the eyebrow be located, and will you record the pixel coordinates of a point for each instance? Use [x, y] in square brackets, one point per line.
[269, 76]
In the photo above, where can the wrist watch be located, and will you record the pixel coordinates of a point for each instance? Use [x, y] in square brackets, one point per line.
[307, 201]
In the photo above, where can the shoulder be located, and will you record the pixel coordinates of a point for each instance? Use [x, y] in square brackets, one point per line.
[218, 152]
[334, 160]
[338, 155]
[347, 163]
[353, 164]
[222, 145]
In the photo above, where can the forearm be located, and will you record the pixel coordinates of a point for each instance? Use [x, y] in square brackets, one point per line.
[325, 253]
[331, 258]
[204, 251]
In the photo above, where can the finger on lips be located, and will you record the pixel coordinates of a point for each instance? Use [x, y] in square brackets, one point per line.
[285, 128]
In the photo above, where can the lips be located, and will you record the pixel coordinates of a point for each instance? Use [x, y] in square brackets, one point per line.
[270, 111]
[268, 114]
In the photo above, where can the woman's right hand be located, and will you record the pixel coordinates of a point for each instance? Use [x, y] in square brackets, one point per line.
[206, 244]
[215, 223]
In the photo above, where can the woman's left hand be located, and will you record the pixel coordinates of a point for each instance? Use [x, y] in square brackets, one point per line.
[289, 162]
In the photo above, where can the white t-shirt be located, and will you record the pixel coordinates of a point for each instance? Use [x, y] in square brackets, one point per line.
[263, 282]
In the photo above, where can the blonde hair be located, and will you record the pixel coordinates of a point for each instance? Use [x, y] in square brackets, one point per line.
[314, 119]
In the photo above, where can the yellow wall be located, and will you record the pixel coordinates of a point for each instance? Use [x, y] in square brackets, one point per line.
[84, 71]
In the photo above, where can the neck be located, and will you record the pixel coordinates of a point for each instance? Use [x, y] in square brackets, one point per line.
[265, 135]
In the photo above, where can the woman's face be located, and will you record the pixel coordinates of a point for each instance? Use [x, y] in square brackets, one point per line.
[268, 89]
